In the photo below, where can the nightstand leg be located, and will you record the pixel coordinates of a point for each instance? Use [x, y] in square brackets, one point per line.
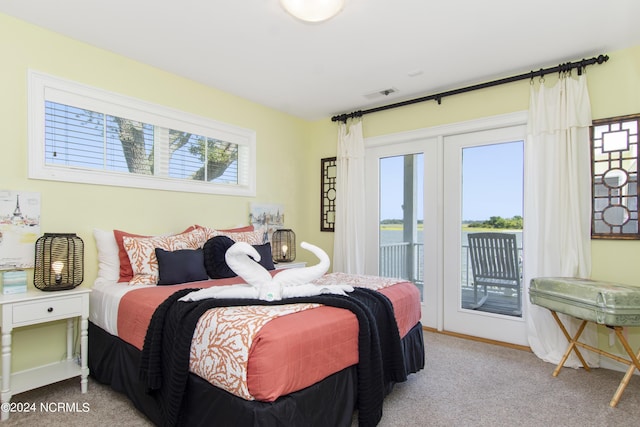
[5, 395]
[69, 339]
[84, 344]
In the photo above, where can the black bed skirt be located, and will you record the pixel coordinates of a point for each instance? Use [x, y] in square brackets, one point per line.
[329, 402]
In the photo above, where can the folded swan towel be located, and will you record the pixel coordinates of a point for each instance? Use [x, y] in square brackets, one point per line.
[289, 283]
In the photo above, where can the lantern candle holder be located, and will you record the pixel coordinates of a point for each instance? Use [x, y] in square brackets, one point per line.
[283, 245]
[59, 262]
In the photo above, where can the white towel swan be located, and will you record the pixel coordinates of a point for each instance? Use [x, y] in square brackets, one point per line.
[294, 282]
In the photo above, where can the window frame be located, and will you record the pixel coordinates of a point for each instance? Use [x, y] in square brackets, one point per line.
[43, 87]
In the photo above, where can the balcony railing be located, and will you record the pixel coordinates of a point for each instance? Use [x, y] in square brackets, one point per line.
[403, 260]
[406, 261]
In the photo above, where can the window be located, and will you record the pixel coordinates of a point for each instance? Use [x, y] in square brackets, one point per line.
[614, 163]
[83, 134]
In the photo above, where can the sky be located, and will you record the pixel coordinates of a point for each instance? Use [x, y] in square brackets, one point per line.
[492, 183]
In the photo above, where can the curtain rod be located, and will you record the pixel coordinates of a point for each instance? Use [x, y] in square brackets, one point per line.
[438, 96]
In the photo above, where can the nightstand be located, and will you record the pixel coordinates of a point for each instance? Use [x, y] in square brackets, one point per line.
[285, 265]
[36, 307]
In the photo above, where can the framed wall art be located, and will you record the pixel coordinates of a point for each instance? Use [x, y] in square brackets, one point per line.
[19, 228]
[266, 217]
[328, 173]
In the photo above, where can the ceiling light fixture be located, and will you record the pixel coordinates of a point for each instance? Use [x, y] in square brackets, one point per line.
[313, 10]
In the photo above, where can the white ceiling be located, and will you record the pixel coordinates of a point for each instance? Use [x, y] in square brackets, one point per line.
[253, 49]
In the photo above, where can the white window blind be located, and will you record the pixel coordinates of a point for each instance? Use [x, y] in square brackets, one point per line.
[83, 134]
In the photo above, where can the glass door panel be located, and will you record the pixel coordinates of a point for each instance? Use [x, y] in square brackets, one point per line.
[492, 203]
[401, 218]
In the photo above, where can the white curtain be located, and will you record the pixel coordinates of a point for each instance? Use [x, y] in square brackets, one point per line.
[349, 238]
[557, 205]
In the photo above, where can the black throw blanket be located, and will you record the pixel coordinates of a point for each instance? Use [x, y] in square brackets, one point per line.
[164, 363]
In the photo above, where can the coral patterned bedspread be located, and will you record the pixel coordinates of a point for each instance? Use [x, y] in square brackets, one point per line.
[262, 353]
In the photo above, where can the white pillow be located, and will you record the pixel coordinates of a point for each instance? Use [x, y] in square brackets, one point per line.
[108, 259]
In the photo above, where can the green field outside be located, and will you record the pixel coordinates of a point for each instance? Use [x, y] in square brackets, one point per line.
[399, 227]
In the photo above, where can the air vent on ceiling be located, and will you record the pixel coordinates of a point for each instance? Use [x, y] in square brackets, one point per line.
[381, 93]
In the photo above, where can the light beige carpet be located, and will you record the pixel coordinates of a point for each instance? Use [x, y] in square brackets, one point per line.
[465, 383]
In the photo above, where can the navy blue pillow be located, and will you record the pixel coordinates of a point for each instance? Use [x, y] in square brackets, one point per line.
[216, 265]
[214, 262]
[266, 258]
[181, 266]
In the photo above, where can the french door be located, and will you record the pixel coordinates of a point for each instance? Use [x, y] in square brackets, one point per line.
[419, 197]
[483, 178]
[403, 243]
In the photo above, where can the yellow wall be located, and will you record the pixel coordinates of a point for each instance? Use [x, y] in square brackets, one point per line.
[614, 90]
[282, 146]
[288, 153]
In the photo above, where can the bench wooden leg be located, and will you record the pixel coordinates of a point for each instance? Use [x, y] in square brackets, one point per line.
[634, 362]
[572, 344]
[633, 365]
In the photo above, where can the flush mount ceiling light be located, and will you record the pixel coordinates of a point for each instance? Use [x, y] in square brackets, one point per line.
[313, 10]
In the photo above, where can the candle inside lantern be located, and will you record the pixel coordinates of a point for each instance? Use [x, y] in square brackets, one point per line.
[57, 267]
[284, 251]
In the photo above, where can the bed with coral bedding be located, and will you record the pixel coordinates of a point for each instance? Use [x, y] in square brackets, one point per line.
[294, 362]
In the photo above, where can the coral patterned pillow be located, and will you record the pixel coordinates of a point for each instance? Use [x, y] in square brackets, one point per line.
[231, 230]
[142, 253]
[126, 272]
[255, 237]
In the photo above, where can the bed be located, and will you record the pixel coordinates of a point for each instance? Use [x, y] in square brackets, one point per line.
[305, 361]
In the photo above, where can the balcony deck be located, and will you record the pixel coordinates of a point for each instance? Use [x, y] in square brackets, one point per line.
[498, 302]
[405, 260]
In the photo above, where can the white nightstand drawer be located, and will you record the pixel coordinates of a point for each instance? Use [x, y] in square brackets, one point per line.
[37, 311]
